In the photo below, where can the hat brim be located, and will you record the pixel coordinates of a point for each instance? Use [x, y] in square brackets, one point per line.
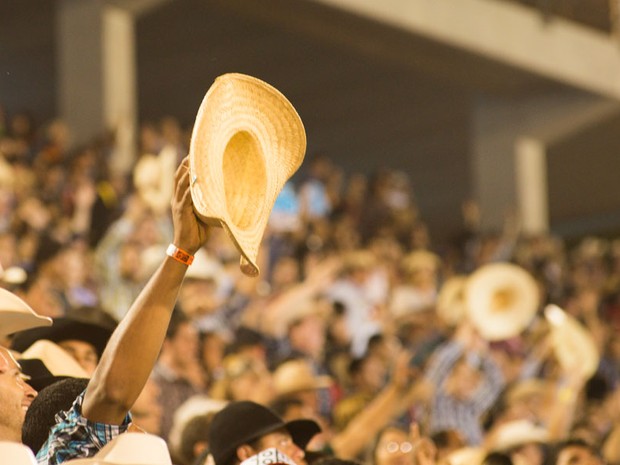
[64, 329]
[12, 322]
[302, 431]
[16, 315]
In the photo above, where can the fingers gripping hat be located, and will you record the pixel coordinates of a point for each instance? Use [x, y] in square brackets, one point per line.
[247, 141]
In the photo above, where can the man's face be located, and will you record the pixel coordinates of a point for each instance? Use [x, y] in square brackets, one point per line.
[15, 397]
[577, 455]
[83, 353]
[146, 410]
[282, 441]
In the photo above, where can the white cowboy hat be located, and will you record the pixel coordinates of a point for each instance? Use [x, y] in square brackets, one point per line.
[57, 360]
[16, 315]
[518, 433]
[247, 141]
[130, 449]
[14, 453]
[502, 299]
[573, 344]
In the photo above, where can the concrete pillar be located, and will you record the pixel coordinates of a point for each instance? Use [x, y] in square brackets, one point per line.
[96, 66]
[531, 184]
[510, 140]
[80, 67]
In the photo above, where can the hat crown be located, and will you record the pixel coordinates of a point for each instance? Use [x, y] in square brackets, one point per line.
[243, 158]
[238, 423]
[135, 449]
[16, 454]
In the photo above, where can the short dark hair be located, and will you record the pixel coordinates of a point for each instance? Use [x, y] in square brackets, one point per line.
[177, 319]
[571, 442]
[497, 458]
[41, 414]
[195, 431]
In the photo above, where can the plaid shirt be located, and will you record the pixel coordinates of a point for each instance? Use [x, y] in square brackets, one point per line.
[73, 436]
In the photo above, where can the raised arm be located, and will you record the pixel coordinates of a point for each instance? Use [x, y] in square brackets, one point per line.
[135, 344]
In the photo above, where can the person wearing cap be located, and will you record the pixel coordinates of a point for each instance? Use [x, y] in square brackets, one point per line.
[243, 429]
[101, 412]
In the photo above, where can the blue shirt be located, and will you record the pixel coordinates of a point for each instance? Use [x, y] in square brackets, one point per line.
[73, 436]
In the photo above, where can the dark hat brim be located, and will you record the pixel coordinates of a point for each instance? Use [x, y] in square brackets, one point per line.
[64, 329]
[302, 431]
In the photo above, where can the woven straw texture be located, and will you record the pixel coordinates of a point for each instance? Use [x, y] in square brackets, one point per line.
[247, 141]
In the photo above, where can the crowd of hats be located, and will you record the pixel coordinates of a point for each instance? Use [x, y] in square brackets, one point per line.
[514, 290]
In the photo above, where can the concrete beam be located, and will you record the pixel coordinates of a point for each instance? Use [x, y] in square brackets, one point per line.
[507, 32]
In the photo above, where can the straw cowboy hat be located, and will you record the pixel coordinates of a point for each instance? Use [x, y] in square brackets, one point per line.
[46, 363]
[420, 260]
[502, 299]
[16, 315]
[14, 453]
[130, 449]
[247, 141]
[518, 433]
[295, 376]
[573, 344]
[451, 306]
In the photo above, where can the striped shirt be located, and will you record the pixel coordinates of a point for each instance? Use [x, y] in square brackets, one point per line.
[462, 415]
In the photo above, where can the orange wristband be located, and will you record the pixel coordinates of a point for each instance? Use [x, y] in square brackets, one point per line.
[179, 255]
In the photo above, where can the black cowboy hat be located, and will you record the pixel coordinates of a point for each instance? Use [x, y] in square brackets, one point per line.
[243, 422]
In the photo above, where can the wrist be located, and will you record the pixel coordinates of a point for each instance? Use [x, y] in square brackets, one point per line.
[179, 254]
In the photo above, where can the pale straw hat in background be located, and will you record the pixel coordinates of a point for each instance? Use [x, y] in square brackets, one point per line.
[247, 141]
[420, 260]
[130, 449]
[502, 299]
[451, 306]
[466, 456]
[518, 433]
[152, 177]
[16, 315]
[13, 453]
[573, 344]
[295, 376]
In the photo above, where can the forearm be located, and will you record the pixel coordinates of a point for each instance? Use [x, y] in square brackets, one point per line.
[133, 348]
[362, 428]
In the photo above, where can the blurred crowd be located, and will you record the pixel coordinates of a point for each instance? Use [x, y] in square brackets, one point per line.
[350, 322]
